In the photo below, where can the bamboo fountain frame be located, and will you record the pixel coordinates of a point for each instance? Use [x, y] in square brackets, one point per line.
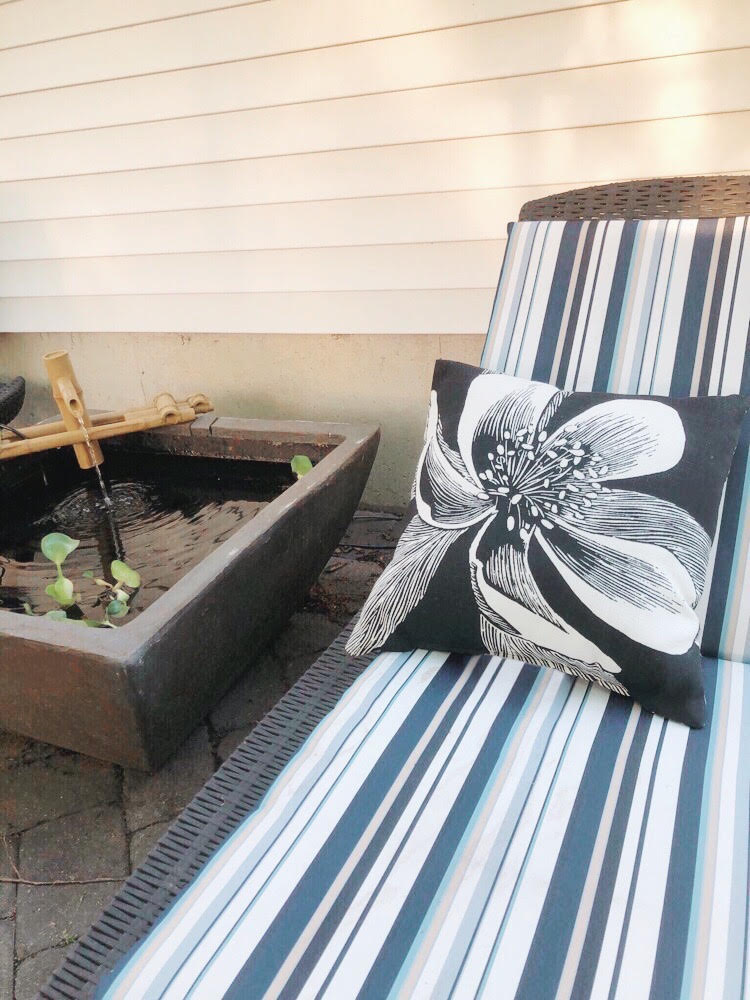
[83, 431]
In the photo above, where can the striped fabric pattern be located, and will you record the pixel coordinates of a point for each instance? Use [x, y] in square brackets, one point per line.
[650, 307]
[462, 827]
[465, 827]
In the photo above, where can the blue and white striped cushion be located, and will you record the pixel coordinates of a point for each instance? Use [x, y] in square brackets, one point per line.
[471, 826]
[652, 307]
[462, 827]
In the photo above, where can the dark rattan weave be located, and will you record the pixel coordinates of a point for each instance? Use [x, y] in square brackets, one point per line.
[239, 785]
[659, 198]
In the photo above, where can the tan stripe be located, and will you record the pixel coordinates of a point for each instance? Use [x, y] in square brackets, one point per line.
[568, 304]
[323, 908]
[705, 314]
[446, 901]
[706, 891]
[578, 937]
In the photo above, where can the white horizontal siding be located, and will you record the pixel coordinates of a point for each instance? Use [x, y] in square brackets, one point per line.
[693, 85]
[323, 23]
[352, 268]
[448, 310]
[284, 166]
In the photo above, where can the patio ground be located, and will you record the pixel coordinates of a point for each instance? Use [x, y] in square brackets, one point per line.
[69, 819]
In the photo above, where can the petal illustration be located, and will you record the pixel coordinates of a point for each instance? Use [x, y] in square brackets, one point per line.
[498, 407]
[506, 569]
[403, 585]
[641, 590]
[445, 494]
[638, 517]
[629, 437]
[513, 617]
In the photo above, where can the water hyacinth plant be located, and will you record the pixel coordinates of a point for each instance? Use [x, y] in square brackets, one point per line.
[115, 597]
[301, 465]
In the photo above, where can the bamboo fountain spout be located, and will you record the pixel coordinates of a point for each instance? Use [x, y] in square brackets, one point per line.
[81, 430]
[68, 395]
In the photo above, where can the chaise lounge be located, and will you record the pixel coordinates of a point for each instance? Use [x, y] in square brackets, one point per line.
[425, 824]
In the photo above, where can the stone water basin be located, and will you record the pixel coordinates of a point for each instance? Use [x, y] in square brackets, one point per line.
[227, 544]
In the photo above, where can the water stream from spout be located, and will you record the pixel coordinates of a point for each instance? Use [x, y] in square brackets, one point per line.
[108, 506]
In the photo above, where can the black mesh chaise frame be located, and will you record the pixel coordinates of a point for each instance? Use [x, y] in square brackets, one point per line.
[239, 785]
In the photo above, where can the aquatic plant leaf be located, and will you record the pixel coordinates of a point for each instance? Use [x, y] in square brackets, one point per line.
[122, 595]
[117, 609]
[88, 574]
[58, 615]
[301, 465]
[124, 574]
[61, 591]
[57, 547]
[88, 622]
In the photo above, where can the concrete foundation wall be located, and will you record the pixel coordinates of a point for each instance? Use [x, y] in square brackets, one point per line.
[335, 377]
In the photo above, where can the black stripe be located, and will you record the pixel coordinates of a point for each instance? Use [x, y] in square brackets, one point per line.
[713, 316]
[669, 965]
[549, 947]
[690, 322]
[575, 307]
[614, 307]
[592, 944]
[551, 327]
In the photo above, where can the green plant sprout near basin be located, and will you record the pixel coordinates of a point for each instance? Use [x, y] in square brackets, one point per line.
[301, 465]
[114, 597]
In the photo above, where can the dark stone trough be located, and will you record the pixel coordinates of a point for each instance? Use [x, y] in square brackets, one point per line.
[131, 696]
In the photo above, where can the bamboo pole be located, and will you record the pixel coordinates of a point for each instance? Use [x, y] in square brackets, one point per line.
[127, 423]
[79, 430]
[68, 395]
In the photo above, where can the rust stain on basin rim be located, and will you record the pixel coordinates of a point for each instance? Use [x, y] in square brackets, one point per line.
[134, 696]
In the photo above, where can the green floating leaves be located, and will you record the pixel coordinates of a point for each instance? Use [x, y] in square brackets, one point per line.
[61, 591]
[88, 574]
[57, 547]
[124, 574]
[58, 615]
[117, 609]
[301, 465]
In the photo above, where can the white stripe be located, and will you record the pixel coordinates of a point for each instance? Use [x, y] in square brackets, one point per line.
[592, 341]
[657, 307]
[524, 367]
[510, 957]
[584, 306]
[673, 308]
[618, 904]
[407, 849]
[469, 982]
[521, 321]
[639, 955]
[645, 246]
[716, 959]
[724, 312]
[503, 331]
[738, 330]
